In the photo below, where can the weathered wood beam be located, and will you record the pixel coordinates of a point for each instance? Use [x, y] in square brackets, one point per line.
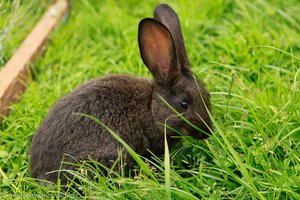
[15, 73]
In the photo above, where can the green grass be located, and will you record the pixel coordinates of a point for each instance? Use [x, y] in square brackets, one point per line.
[247, 54]
[17, 18]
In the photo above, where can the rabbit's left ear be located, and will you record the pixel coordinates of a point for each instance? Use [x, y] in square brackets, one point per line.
[168, 17]
[157, 49]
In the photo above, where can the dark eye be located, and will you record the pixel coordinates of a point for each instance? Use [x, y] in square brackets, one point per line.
[184, 104]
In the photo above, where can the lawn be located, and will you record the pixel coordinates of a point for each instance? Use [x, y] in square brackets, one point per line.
[246, 53]
[17, 18]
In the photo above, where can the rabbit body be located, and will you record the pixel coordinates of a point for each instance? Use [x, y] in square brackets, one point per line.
[132, 107]
[121, 102]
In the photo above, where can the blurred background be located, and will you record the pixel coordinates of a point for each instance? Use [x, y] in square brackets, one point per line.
[17, 18]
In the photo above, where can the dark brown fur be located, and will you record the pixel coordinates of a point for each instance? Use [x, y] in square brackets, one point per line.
[132, 107]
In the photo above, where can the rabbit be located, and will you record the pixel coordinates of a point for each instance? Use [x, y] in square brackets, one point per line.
[132, 107]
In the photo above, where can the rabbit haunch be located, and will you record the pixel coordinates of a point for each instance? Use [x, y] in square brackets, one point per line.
[131, 107]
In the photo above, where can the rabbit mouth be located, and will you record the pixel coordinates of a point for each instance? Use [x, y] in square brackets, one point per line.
[188, 130]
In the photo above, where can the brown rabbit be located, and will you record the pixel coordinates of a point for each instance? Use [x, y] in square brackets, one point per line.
[130, 106]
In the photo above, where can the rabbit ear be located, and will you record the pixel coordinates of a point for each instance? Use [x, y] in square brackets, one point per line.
[157, 49]
[168, 17]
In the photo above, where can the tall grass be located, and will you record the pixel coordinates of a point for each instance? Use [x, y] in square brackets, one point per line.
[247, 54]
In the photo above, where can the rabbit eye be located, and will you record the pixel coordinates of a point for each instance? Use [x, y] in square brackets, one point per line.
[184, 104]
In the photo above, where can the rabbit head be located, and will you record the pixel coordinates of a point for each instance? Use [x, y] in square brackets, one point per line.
[163, 51]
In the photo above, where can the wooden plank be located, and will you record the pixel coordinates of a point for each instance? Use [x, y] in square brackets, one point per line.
[14, 75]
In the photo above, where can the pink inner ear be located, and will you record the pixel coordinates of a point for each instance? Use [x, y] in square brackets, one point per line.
[158, 49]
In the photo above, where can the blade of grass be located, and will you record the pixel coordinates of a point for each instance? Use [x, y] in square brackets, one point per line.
[167, 165]
[131, 152]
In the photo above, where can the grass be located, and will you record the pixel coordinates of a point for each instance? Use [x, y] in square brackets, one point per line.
[247, 54]
[17, 18]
